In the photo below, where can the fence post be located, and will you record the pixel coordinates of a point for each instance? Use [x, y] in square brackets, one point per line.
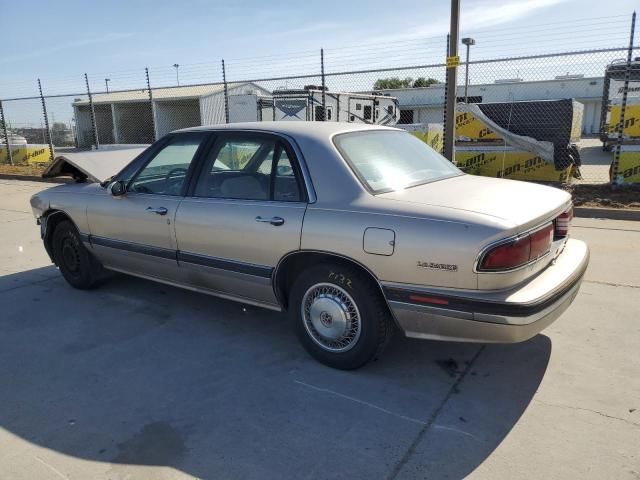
[46, 122]
[446, 94]
[226, 93]
[94, 126]
[623, 107]
[324, 87]
[5, 134]
[153, 120]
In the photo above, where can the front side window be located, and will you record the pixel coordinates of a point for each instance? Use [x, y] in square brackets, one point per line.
[392, 160]
[166, 172]
[247, 168]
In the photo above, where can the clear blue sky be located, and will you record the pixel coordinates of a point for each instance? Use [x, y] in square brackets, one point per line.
[60, 40]
[53, 38]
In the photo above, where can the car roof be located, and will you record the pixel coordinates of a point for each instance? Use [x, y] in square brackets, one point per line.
[292, 128]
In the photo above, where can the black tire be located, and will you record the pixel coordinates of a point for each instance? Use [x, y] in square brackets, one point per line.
[78, 266]
[375, 324]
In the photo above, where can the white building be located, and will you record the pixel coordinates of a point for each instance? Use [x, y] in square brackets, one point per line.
[130, 118]
[424, 105]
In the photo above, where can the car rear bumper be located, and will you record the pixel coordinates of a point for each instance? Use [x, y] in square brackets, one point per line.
[506, 316]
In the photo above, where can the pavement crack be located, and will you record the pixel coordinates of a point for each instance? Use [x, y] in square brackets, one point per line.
[632, 230]
[52, 468]
[35, 282]
[597, 412]
[362, 402]
[432, 418]
[14, 211]
[611, 284]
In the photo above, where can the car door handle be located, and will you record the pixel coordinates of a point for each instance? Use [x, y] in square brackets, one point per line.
[158, 210]
[277, 221]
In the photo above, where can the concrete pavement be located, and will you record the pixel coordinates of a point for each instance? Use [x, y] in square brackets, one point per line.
[140, 380]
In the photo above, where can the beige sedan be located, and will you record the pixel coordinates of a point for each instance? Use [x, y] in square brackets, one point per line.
[354, 230]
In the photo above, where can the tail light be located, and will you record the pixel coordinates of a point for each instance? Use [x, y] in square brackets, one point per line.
[562, 224]
[518, 252]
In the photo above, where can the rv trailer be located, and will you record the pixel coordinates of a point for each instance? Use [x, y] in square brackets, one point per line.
[307, 105]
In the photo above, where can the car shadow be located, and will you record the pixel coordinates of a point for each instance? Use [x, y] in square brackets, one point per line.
[141, 374]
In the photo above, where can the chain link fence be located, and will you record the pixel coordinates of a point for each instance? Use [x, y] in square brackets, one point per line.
[544, 117]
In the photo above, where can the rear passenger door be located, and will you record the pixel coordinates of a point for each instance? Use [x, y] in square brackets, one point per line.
[243, 213]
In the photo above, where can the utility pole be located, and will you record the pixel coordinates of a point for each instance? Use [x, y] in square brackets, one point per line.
[452, 70]
[106, 83]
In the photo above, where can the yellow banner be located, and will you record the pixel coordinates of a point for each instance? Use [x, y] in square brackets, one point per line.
[469, 128]
[431, 134]
[514, 164]
[631, 121]
[629, 166]
[453, 61]
[31, 154]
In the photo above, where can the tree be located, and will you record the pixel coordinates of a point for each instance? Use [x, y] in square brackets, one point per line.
[60, 134]
[395, 82]
[392, 82]
[424, 82]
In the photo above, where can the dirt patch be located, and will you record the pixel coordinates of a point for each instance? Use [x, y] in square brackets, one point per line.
[22, 170]
[604, 196]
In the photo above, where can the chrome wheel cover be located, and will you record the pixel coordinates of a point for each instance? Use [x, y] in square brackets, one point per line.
[331, 317]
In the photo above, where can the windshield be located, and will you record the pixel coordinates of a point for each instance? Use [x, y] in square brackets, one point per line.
[392, 160]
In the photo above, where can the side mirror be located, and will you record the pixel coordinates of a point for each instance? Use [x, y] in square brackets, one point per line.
[118, 188]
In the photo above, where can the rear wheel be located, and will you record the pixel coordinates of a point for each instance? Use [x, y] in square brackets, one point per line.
[339, 315]
[77, 265]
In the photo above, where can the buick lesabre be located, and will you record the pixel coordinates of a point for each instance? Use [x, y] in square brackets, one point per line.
[354, 230]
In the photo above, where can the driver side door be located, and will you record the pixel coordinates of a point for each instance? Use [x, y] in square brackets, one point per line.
[134, 232]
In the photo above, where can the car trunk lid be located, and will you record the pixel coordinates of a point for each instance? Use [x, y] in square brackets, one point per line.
[521, 205]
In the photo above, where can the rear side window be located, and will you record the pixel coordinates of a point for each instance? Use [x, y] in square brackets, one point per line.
[249, 167]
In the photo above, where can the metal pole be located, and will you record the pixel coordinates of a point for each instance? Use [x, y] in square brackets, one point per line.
[466, 77]
[46, 122]
[94, 126]
[106, 84]
[623, 107]
[5, 134]
[450, 125]
[606, 103]
[177, 66]
[226, 93]
[324, 86]
[153, 120]
[446, 96]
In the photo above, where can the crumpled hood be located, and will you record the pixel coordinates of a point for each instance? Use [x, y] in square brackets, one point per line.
[95, 165]
[518, 203]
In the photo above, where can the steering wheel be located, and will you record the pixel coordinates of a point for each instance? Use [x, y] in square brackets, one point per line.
[173, 187]
[172, 172]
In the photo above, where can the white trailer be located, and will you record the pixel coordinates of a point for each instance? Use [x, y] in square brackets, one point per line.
[307, 105]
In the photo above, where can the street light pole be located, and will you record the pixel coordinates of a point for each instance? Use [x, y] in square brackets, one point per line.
[176, 66]
[468, 42]
[106, 83]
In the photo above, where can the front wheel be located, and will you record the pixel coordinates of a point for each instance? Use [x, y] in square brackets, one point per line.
[78, 266]
[339, 315]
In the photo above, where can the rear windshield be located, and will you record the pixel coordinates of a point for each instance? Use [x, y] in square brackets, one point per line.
[390, 160]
